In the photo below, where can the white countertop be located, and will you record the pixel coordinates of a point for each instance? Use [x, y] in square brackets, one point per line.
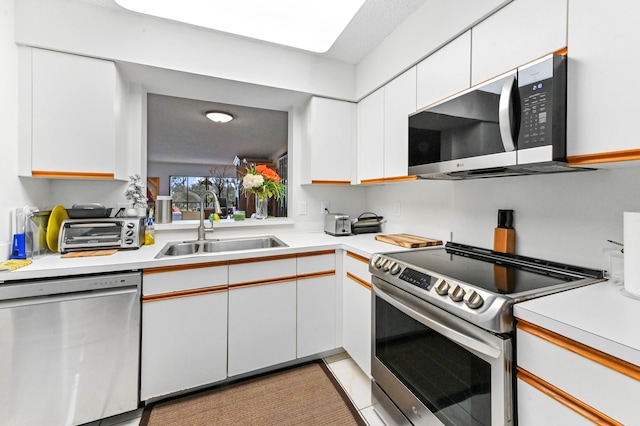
[53, 265]
[598, 315]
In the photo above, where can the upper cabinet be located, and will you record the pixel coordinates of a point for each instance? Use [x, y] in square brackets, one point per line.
[329, 142]
[601, 104]
[518, 33]
[446, 72]
[69, 110]
[399, 102]
[371, 137]
[383, 130]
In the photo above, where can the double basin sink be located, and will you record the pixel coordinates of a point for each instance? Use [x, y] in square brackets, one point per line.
[215, 246]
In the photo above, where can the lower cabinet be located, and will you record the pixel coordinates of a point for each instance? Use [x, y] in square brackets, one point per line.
[356, 315]
[317, 316]
[262, 313]
[564, 382]
[184, 328]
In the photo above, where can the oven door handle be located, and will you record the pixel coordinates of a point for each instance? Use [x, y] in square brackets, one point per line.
[446, 324]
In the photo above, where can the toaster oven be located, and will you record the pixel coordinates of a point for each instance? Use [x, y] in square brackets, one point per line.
[107, 233]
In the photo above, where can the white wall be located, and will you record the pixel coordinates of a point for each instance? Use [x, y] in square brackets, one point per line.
[562, 217]
[15, 192]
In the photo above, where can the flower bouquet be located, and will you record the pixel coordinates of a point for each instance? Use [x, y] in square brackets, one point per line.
[264, 183]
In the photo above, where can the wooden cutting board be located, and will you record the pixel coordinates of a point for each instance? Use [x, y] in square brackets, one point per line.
[88, 253]
[408, 240]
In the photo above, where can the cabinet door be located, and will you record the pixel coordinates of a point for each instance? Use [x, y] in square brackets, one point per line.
[262, 326]
[371, 136]
[73, 120]
[446, 72]
[329, 151]
[184, 342]
[184, 328]
[399, 102]
[316, 315]
[262, 313]
[356, 315]
[520, 32]
[536, 408]
[601, 104]
[317, 303]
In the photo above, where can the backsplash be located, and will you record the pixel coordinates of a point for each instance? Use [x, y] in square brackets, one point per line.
[563, 217]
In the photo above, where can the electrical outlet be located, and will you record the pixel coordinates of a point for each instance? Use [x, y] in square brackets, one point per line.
[324, 207]
[302, 208]
[396, 208]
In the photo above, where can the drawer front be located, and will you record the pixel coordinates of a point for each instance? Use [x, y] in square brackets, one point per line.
[308, 263]
[358, 266]
[173, 279]
[586, 380]
[259, 269]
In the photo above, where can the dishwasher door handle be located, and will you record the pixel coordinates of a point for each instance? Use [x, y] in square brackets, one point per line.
[67, 297]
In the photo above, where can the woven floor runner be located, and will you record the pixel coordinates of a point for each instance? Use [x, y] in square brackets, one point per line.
[303, 395]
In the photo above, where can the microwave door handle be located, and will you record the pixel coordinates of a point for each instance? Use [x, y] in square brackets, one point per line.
[504, 113]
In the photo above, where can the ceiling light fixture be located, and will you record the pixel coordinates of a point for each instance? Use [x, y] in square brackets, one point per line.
[312, 26]
[219, 116]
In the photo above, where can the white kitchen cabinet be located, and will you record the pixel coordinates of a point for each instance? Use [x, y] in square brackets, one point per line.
[571, 380]
[184, 328]
[601, 104]
[520, 32]
[371, 136]
[262, 313]
[317, 303]
[445, 72]
[328, 151]
[399, 102]
[69, 116]
[356, 315]
[383, 130]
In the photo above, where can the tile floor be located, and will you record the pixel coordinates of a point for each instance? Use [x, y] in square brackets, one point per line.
[352, 379]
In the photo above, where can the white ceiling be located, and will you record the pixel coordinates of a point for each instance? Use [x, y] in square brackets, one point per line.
[179, 132]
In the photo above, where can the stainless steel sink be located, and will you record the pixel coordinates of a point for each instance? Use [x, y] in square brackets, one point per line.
[186, 248]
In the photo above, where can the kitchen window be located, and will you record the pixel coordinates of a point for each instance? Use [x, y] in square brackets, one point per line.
[186, 191]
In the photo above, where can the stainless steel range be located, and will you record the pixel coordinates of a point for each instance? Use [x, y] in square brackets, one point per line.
[443, 330]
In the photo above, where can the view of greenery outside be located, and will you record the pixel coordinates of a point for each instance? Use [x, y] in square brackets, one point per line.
[186, 191]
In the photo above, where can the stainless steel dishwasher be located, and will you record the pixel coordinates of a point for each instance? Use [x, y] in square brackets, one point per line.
[69, 349]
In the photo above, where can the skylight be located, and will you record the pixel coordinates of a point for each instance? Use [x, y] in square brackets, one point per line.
[304, 24]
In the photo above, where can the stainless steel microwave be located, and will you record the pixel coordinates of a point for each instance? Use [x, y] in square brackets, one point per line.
[513, 124]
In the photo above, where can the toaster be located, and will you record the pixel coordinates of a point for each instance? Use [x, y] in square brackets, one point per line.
[337, 224]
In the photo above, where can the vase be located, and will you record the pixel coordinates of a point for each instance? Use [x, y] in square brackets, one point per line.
[262, 202]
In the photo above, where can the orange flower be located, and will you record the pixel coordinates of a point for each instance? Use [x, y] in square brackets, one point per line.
[268, 173]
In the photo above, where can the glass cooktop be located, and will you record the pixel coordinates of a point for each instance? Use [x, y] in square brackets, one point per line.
[492, 271]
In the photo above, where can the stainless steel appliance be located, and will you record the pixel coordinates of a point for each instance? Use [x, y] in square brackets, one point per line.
[69, 349]
[90, 234]
[443, 335]
[337, 224]
[514, 124]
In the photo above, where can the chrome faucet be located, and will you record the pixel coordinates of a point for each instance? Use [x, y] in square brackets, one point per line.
[216, 205]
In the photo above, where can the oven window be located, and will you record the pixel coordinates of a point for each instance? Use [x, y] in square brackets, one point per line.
[452, 382]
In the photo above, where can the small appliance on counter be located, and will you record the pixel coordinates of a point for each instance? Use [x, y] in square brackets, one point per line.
[102, 233]
[367, 223]
[337, 224]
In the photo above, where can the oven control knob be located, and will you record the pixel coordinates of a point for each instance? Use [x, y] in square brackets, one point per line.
[388, 265]
[379, 261]
[456, 293]
[395, 269]
[473, 300]
[442, 287]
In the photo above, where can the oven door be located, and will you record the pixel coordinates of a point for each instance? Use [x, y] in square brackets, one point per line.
[435, 367]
